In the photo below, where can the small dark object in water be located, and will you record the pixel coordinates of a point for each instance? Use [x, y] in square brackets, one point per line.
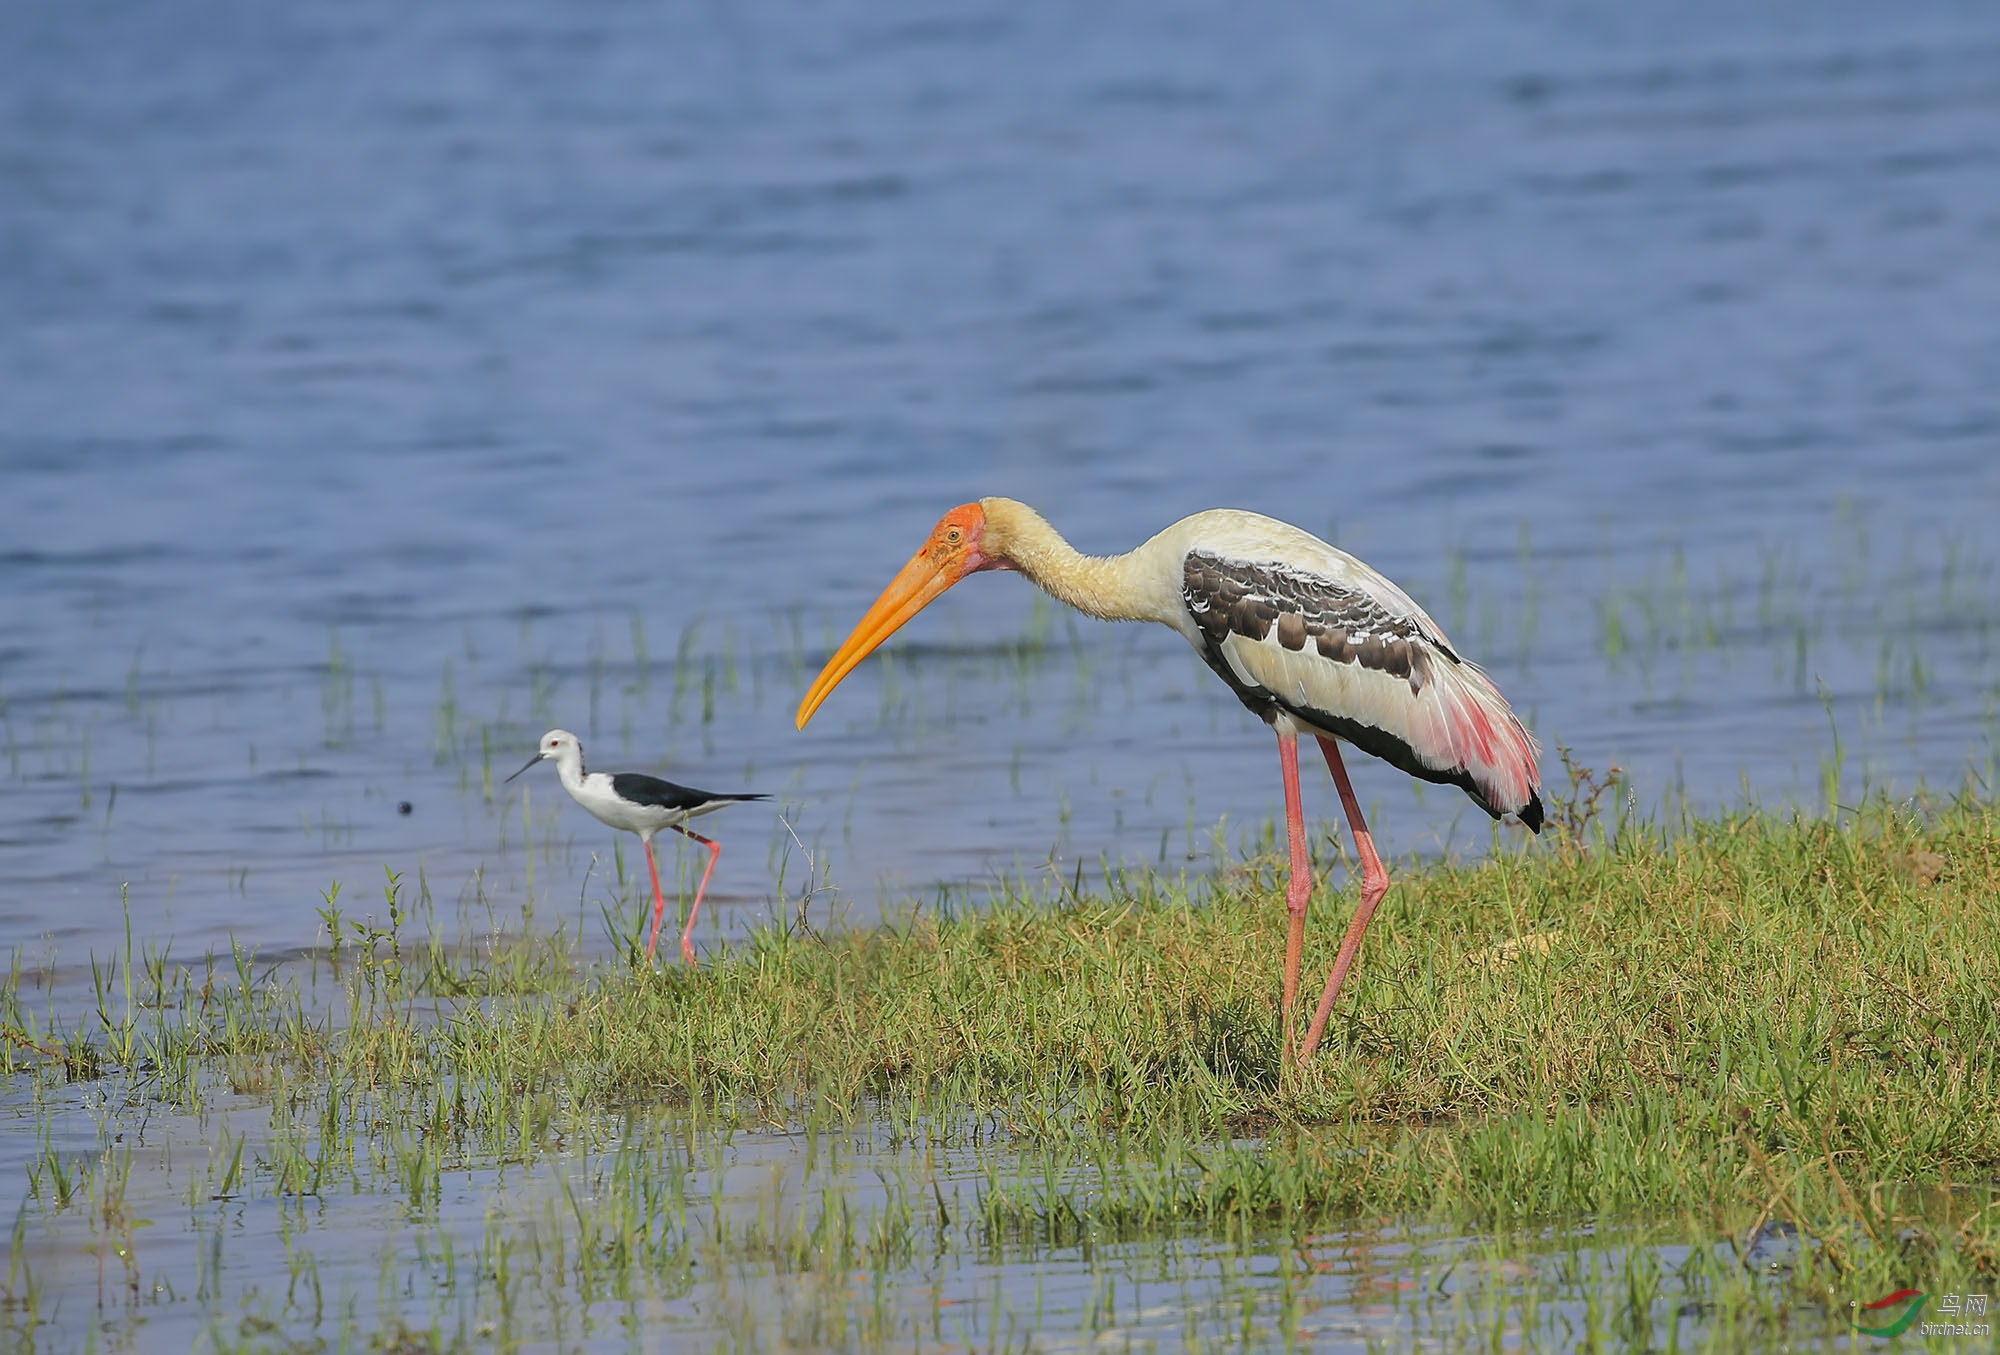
[402, 806]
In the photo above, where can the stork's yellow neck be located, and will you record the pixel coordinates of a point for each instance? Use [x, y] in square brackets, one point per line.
[1140, 585]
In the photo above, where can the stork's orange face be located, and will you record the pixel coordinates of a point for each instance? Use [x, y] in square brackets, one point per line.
[953, 551]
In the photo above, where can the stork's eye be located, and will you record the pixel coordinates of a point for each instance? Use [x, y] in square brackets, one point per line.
[954, 535]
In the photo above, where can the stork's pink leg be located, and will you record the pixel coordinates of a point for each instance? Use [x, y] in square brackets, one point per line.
[714, 855]
[659, 896]
[1374, 884]
[1298, 893]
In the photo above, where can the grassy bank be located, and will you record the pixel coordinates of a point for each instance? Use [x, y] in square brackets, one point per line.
[1761, 1027]
[1662, 1024]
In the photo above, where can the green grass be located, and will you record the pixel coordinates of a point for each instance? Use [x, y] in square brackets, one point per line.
[1685, 1043]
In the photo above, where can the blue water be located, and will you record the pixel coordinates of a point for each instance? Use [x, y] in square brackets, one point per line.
[382, 385]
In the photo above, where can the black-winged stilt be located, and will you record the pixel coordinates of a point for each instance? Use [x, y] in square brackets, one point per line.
[638, 804]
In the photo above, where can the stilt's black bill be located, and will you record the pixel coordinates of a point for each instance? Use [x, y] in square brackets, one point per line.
[531, 762]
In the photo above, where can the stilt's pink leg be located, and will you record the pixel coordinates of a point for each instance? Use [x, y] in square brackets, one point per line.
[659, 896]
[714, 855]
[1374, 884]
[1298, 893]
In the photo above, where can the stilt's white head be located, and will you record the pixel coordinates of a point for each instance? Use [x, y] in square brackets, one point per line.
[559, 744]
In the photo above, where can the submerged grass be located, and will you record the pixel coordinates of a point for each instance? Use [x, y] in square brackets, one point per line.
[1764, 1026]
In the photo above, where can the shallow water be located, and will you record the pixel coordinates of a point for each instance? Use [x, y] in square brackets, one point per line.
[866, 1238]
[381, 387]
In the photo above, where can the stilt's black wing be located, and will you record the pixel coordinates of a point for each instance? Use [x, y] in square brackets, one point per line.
[641, 789]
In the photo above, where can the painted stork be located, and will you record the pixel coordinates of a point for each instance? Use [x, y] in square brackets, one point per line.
[1312, 640]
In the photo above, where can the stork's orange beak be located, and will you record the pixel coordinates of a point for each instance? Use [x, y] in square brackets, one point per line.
[949, 555]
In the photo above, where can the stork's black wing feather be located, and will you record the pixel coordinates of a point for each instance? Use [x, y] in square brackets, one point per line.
[1250, 599]
[641, 789]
